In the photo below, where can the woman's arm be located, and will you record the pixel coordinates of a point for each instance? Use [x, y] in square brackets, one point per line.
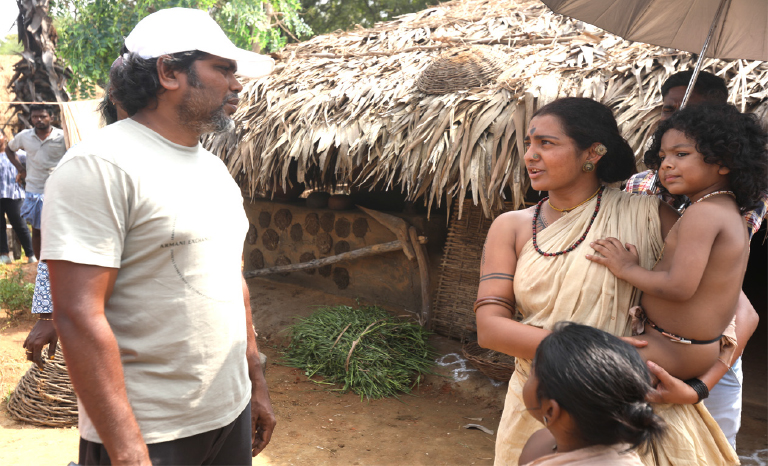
[746, 323]
[496, 328]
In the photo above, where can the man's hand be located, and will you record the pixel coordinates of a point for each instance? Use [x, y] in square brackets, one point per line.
[618, 258]
[669, 389]
[43, 333]
[21, 177]
[262, 417]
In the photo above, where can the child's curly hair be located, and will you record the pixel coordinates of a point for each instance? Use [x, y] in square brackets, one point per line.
[726, 137]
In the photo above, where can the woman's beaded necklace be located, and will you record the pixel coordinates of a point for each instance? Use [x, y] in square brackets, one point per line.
[537, 212]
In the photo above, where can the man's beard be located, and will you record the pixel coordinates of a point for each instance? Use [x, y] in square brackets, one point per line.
[193, 112]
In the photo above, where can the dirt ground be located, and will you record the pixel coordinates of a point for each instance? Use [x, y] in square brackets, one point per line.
[316, 426]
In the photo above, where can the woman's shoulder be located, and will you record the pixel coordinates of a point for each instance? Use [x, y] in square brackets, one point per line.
[513, 219]
[513, 216]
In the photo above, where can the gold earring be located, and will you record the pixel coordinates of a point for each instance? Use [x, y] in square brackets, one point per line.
[587, 167]
[536, 156]
[600, 149]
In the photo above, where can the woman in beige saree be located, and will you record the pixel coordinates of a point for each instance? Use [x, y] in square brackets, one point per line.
[534, 262]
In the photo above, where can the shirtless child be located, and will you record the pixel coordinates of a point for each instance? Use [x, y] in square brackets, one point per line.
[716, 157]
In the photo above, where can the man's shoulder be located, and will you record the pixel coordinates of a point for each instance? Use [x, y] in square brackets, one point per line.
[23, 134]
[106, 144]
[57, 135]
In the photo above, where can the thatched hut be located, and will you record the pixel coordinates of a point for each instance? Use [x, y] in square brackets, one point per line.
[434, 104]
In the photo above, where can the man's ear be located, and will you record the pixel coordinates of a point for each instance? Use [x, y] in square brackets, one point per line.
[169, 78]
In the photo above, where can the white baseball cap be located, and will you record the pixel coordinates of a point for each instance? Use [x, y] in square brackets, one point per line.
[175, 30]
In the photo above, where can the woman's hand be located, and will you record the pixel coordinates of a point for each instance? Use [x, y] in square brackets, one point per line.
[619, 258]
[670, 389]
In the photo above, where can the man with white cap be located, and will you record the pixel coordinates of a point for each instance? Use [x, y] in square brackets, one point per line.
[151, 307]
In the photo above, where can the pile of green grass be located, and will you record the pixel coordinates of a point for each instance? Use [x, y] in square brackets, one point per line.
[367, 350]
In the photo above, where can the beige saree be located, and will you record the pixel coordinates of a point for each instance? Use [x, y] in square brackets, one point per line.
[598, 455]
[570, 287]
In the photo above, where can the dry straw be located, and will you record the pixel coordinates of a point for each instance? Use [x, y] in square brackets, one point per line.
[345, 108]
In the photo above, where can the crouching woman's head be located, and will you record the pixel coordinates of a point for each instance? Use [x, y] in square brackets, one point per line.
[589, 388]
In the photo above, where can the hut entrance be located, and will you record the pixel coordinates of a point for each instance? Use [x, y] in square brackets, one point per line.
[755, 359]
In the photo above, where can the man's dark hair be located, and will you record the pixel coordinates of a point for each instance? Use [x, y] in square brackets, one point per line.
[41, 108]
[601, 382]
[587, 122]
[107, 109]
[136, 84]
[726, 137]
[712, 88]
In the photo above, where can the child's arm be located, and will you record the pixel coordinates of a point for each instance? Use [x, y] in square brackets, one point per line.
[697, 231]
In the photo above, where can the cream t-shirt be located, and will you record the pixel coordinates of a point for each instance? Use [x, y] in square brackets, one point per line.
[42, 156]
[171, 219]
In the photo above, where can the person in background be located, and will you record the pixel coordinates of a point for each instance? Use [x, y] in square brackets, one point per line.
[725, 398]
[44, 333]
[11, 198]
[145, 289]
[44, 146]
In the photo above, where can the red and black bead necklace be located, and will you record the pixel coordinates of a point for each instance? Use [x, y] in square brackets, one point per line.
[537, 212]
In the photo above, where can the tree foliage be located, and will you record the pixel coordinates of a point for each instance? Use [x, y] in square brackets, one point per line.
[10, 45]
[91, 32]
[329, 15]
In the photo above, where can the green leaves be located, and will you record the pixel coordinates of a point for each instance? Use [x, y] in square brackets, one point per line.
[325, 16]
[362, 349]
[15, 293]
[91, 32]
[10, 45]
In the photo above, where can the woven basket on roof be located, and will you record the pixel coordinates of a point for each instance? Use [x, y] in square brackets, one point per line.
[452, 71]
[45, 397]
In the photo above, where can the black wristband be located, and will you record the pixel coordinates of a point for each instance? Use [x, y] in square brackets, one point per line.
[699, 387]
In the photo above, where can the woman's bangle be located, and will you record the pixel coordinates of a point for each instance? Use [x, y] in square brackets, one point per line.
[499, 301]
[44, 318]
[699, 387]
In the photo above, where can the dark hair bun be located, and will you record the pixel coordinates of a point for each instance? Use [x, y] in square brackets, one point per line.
[601, 382]
[588, 122]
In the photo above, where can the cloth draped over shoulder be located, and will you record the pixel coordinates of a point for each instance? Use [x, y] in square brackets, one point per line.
[598, 455]
[571, 288]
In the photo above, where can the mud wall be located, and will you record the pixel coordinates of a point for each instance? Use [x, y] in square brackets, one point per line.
[289, 233]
